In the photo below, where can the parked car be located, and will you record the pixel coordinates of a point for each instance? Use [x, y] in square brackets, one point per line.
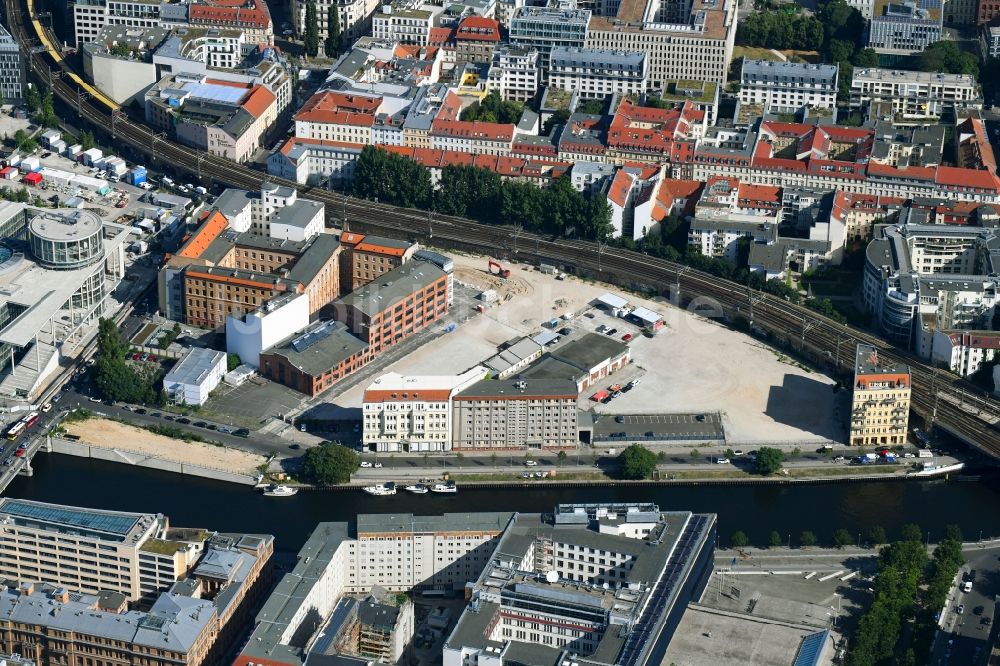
[377, 465]
[184, 421]
[612, 331]
[365, 463]
[722, 461]
[47, 407]
[627, 337]
[530, 463]
[242, 432]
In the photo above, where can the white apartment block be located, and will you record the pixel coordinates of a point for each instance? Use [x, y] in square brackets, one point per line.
[402, 414]
[788, 86]
[597, 73]
[914, 94]
[88, 550]
[964, 352]
[408, 26]
[514, 73]
[89, 16]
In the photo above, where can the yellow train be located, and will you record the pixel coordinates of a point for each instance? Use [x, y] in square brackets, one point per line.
[54, 53]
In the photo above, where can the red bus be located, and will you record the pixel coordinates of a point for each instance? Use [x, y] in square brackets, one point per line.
[31, 419]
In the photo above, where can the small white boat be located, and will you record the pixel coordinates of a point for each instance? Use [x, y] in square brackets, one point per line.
[381, 489]
[448, 487]
[417, 489]
[279, 491]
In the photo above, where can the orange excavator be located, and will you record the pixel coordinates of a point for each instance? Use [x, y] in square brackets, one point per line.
[501, 271]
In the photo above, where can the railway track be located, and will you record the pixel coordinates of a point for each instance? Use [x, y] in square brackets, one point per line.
[950, 403]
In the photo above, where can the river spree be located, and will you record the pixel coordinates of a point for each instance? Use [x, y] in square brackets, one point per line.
[973, 504]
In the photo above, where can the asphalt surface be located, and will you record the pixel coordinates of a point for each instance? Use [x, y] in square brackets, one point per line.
[965, 637]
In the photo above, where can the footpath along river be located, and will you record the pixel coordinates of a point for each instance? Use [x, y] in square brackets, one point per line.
[973, 503]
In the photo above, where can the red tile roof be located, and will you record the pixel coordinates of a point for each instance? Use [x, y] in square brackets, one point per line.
[966, 178]
[620, 188]
[258, 101]
[336, 108]
[230, 13]
[474, 129]
[204, 236]
[478, 29]
[645, 129]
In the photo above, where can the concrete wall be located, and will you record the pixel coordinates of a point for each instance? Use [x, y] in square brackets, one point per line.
[85, 450]
[258, 331]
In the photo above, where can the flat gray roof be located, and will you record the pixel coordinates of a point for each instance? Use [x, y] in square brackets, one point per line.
[195, 366]
[589, 350]
[298, 214]
[528, 388]
[392, 287]
[65, 226]
[323, 351]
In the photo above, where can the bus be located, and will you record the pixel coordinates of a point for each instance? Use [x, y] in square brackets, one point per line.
[15, 430]
[31, 419]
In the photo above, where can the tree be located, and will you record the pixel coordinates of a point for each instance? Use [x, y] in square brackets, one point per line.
[945, 56]
[494, 109]
[331, 45]
[774, 539]
[865, 58]
[637, 462]
[115, 379]
[911, 532]
[768, 460]
[46, 112]
[329, 464]
[86, 139]
[842, 538]
[32, 100]
[953, 533]
[311, 39]
[807, 539]
[390, 178]
[739, 540]
[561, 457]
[875, 535]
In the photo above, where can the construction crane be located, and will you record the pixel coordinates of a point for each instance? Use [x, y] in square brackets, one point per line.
[501, 271]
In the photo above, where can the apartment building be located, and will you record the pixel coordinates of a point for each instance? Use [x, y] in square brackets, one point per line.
[11, 69]
[904, 28]
[566, 581]
[684, 41]
[412, 413]
[514, 73]
[783, 87]
[925, 277]
[355, 18]
[367, 257]
[396, 304]
[597, 73]
[516, 414]
[339, 117]
[543, 28]
[914, 95]
[880, 402]
[250, 17]
[475, 39]
[86, 550]
[403, 24]
[964, 352]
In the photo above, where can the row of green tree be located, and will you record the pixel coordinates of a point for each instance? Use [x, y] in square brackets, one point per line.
[873, 536]
[310, 40]
[636, 462]
[481, 195]
[781, 30]
[41, 107]
[906, 590]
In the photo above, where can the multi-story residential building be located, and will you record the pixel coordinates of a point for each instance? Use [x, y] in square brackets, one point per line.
[986, 11]
[544, 28]
[382, 629]
[89, 551]
[597, 73]
[355, 18]
[337, 117]
[961, 12]
[250, 17]
[514, 73]
[914, 94]
[964, 352]
[396, 304]
[925, 277]
[683, 41]
[367, 257]
[880, 402]
[403, 24]
[412, 413]
[782, 87]
[865, 7]
[567, 581]
[904, 28]
[646, 134]
[475, 39]
[11, 68]
[498, 414]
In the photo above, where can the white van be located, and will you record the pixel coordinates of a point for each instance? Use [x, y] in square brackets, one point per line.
[967, 586]
[925, 453]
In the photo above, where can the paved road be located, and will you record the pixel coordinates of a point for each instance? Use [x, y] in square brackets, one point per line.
[964, 637]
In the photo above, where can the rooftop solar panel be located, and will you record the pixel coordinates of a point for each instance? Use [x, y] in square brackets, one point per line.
[111, 523]
[810, 649]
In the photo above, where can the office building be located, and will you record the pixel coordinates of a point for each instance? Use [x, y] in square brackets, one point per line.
[399, 552]
[913, 95]
[194, 376]
[989, 40]
[412, 413]
[11, 69]
[517, 414]
[396, 304]
[880, 402]
[367, 257]
[278, 318]
[597, 73]
[784, 87]
[684, 41]
[543, 28]
[602, 584]
[904, 28]
[314, 359]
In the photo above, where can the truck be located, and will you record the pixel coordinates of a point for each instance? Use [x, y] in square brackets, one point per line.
[925, 453]
[868, 458]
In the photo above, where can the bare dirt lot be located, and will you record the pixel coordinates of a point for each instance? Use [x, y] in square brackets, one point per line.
[693, 365]
[119, 436]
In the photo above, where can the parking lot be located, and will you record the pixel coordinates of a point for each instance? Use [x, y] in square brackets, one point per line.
[651, 429]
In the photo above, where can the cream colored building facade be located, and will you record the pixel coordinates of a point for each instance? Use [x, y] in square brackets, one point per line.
[880, 404]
